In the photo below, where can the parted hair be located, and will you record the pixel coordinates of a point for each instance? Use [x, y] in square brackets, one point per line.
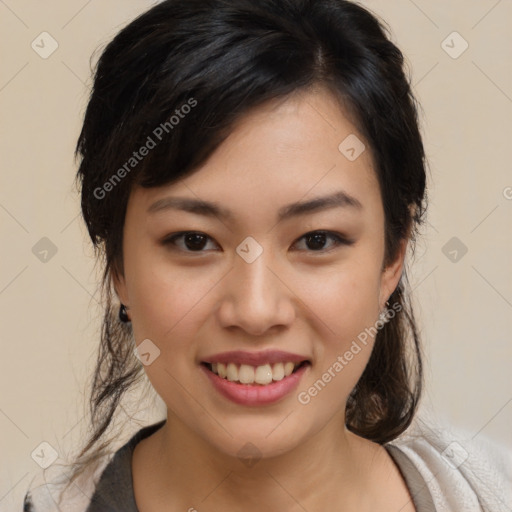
[223, 58]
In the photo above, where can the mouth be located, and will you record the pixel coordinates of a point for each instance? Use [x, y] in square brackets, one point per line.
[255, 386]
[250, 375]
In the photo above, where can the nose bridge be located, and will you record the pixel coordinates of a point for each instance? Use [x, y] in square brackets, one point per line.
[256, 274]
[252, 261]
[255, 297]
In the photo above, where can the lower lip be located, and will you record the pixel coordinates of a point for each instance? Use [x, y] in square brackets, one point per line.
[255, 394]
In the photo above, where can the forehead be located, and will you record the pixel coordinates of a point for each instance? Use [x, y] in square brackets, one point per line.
[287, 150]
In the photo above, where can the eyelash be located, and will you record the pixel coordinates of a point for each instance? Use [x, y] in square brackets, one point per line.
[339, 239]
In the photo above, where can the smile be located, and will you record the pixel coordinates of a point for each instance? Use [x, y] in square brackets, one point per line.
[248, 374]
[261, 387]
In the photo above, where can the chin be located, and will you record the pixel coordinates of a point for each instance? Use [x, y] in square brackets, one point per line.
[254, 445]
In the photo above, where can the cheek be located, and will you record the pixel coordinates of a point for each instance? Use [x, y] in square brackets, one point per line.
[340, 360]
[165, 300]
[160, 294]
[345, 304]
[345, 298]
[169, 307]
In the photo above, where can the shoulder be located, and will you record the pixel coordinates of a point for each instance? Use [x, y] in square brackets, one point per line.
[463, 471]
[105, 484]
[49, 490]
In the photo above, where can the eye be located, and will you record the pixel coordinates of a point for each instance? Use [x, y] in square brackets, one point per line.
[194, 241]
[317, 239]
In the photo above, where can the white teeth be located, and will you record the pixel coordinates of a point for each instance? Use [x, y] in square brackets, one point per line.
[263, 374]
[278, 371]
[247, 374]
[221, 370]
[288, 368]
[232, 372]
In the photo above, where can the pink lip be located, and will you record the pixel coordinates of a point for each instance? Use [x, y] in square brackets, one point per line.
[255, 394]
[255, 358]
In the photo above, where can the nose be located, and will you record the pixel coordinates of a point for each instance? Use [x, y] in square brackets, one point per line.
[255, 297]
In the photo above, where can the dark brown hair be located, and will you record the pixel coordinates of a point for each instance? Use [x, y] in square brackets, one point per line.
[223, 58]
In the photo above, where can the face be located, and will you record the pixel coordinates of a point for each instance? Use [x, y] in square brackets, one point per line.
[286, 258]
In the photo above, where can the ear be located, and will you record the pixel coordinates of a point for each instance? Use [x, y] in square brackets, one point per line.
[392, 273]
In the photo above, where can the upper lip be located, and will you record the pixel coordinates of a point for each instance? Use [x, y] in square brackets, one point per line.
[255, 358]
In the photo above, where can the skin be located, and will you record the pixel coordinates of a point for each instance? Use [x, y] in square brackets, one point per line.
[296, 296]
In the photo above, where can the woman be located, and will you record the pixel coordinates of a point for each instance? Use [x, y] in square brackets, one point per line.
[253, 175]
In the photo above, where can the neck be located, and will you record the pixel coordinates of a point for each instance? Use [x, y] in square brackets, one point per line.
[188, 471]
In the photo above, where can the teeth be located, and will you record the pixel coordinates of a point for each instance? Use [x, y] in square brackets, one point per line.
[247, 374]
[278, 371]
[232, 372]
[288, 368]
[262, 374]
[220, 370]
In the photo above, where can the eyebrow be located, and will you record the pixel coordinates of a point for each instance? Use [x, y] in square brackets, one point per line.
[208, 209]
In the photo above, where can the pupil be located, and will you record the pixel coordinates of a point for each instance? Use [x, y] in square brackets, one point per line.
[194, 240]
[317, 237]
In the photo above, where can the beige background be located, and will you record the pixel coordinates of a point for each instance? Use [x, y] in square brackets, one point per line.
[49, 310]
